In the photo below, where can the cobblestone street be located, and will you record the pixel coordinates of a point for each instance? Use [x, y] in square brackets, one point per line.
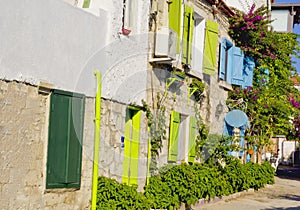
[284, 194]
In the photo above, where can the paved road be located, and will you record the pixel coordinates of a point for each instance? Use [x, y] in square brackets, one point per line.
[284, 194]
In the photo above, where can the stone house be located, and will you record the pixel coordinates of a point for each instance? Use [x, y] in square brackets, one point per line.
[49, 52]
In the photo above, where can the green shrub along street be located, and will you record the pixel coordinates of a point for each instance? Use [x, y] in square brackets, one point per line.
[186, 184]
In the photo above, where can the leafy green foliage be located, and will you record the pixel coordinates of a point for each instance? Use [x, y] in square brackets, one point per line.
[268, 104]
[189, 183]
[202, 134]
[157, 130]
[184, 184]
[113, 195]
[199, 88]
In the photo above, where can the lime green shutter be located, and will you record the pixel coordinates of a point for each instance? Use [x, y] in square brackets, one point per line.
[174, 131]
[127, 141]
[135, 148]
[86, 3]
[175, 19]
[188, 34]
[192, 139]
[131, 149]
[210, 48]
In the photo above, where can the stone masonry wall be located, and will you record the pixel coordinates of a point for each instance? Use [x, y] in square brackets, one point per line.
[23, 149]
[111, 154]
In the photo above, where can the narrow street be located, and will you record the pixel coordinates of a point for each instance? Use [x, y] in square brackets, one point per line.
[284, 194]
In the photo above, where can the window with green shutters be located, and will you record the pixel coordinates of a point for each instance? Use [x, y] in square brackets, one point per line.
[65, 139]
[188, 33]
[192, 139]
[173, 141]
[210, 47]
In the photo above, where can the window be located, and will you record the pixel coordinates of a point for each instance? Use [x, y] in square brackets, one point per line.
[182, 138]
[231, 63]
[198, 44]
[65, 140]
[210, 47]
[131, 146]
[130, 7]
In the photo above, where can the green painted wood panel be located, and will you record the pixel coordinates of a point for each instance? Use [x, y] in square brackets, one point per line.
[188, 34]
[86, 3]
[57, 144]
[192, 139]
[135, 148]
[132, 144]
[127, 144]
[210, 47]
[65, 135]
[75, 140]
[175, 19]
[173, 141]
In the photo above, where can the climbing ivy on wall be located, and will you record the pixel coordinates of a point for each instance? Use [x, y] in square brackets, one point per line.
[157, 129]
[202, 134]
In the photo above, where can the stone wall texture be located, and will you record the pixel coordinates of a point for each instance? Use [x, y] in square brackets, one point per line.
[23, 149]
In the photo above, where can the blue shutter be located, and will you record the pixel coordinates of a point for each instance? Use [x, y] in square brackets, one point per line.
[237, 66]
[222, 65]
[229, 65]
[249, 66]
[225, 58]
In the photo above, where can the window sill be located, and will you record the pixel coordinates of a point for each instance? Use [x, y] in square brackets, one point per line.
[60, 190]
[225, 85]
[195, 74]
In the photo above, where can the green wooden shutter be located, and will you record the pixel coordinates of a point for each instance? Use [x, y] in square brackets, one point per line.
[86, 3]
[65, 139]
[174, 131]
[192, 139]
[75, 140]
[127, 141]
[188, 34]
[210, 48]
[135, 148]
[57, 144]
[132, 144]
[175, 19]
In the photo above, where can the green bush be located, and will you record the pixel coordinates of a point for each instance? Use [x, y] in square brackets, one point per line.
[185, 184]
[113, 195]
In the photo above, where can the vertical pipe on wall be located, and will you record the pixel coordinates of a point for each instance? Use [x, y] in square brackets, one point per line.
[96, 140]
